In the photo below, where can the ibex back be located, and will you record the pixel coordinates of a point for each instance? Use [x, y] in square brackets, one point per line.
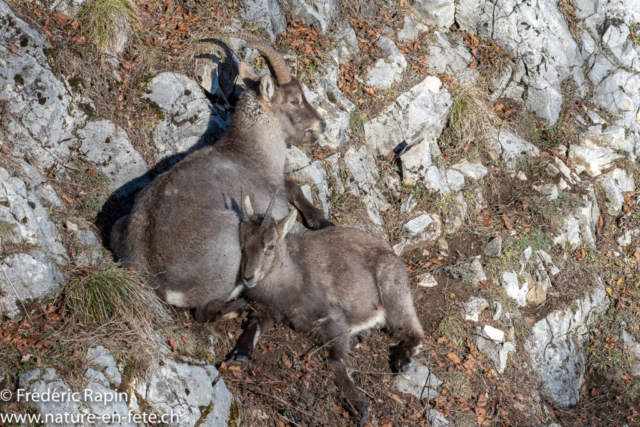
[183, 229]
[331, 283]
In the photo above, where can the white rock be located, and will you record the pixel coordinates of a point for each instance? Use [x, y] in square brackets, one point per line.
[454, 179]
[433, 180]
[364, 176]
[410, 30]
[473, 308]
[470, 170]
[445, 58]
[616, 184]
[492, 333]
[386, 131]
[492, 348]
[103, 361]
[387, 71]
[109, 148]
[318, 13]
[189, 121]
[512, 147]
[557, 346]
[634, 350]
[497, 311]
[439, 13]
[512, 286]
[595, 161]
[419, 232]
[427, 280]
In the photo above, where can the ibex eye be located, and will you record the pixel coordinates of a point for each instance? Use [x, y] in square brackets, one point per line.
[271, 247]
[295, 102]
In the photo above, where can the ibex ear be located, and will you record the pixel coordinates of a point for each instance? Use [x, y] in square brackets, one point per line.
[267, 88]
[247, 73]
[284, 225]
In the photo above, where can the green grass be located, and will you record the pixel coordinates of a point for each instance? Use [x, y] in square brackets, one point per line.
[105, 21]
[6, 228]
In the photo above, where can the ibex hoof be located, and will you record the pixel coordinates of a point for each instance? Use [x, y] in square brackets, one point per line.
[363, 410]
[239, 357]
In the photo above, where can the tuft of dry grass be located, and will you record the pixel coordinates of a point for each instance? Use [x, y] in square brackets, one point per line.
[115, 308]
[452, 328]
[109, 294]
[471, 118]
[108, 23]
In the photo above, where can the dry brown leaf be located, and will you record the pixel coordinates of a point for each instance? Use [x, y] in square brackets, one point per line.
[173, 343]
[13, 49]
[454, 358]
[285, 361]
[397, 399]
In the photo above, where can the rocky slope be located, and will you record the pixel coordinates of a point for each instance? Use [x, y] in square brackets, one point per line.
[493, 144]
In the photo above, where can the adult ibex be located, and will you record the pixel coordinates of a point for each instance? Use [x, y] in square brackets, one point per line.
[331, 283]
[182, 231]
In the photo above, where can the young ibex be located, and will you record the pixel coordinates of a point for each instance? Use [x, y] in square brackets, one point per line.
[332, 283]
[183, 229]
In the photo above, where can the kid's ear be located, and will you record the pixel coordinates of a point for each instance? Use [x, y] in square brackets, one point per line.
[285, 225]
[267, 88]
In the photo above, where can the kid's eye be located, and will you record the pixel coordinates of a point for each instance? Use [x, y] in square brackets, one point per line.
[295, 102]
[270, 248]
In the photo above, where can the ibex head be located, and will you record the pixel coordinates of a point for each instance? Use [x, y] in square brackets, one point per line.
[283, 98]
[262, 241]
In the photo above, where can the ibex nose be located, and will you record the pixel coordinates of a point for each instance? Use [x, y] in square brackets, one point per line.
[249, 279]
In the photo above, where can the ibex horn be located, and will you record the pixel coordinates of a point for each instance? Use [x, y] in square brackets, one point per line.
[267, 216]
[275, 59]
[245, 217]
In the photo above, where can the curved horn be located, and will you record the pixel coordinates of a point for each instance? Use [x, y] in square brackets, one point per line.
[275, 59]
[244, 36]
[245, 217]
[267, 216]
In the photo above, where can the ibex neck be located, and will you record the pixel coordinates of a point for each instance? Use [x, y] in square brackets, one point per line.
[258, 136]
[280, 286]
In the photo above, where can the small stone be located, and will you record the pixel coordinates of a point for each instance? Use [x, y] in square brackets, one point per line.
[478, 271]
[512, 287]
[550, 191]
[634, 350]
[419, 381]
[470, 170]
[521, 176]
[552, 170]
[474, 308]
[497, 311]
[492, 333]
[427, 280]
[455, 180]
[493, 248]
[71, 226]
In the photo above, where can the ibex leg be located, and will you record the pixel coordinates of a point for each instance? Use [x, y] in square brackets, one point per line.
[336, 335]
[313, 217]
[259, 323]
